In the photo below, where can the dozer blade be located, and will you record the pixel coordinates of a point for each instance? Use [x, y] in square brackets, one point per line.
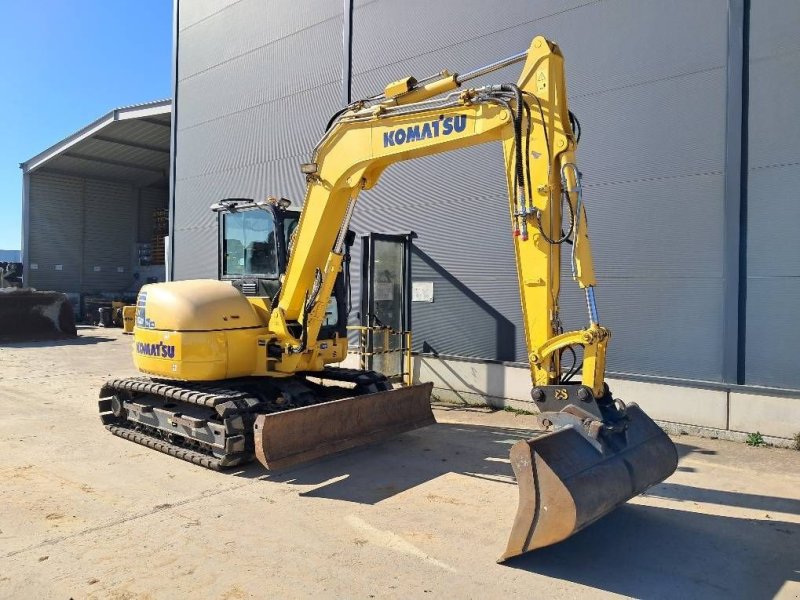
[566, 482]
[290, 437]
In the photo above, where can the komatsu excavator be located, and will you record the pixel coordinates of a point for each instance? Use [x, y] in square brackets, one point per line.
[242, 366]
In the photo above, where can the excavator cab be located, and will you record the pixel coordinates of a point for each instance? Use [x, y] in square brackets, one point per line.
[253, 244]
[255, 239]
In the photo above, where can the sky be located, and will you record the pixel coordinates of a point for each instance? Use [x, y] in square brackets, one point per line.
[63, 64]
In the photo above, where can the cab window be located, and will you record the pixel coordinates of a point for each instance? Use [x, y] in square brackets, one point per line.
[249, 244]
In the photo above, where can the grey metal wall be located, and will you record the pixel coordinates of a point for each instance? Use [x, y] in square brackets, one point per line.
[773, 207]
[109, 236]
[89, 227]
[647, 80]
[257, 81]
[56, 232]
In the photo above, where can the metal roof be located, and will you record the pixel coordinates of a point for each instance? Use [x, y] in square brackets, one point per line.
[131, 144]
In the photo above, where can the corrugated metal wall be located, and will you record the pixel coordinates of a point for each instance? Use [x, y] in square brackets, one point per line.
[257, 82]
[56, 232]
[773, 202]
[89, 227]
[652, 109]
[109, 236]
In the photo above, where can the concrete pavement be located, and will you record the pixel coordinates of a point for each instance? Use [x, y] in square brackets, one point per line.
[86, 514]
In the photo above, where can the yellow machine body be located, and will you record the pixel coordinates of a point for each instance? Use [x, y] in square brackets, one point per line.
[206, 330]
[128, 318]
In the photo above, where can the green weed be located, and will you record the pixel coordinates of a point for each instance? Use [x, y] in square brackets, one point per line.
[517, 411]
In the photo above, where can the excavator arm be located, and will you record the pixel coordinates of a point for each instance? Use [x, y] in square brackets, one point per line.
[594, 453]
[532, 122]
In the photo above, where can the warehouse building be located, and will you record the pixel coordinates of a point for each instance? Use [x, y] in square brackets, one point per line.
[690, 155]
[95, 207]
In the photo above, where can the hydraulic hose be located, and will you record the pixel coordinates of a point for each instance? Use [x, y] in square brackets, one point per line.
[521, 227]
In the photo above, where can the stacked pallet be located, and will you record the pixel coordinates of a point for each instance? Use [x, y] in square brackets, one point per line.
[160, 230]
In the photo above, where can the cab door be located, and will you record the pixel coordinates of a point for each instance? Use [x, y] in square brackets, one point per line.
[385, 301]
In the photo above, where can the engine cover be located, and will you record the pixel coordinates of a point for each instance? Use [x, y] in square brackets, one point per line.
[197, 330]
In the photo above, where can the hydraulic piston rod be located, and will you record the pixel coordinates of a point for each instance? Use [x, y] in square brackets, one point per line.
[492, 67]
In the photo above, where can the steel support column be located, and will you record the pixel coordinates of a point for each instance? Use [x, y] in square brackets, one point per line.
[347, 53]
[735, 194]
[26, 228]
[170, 271]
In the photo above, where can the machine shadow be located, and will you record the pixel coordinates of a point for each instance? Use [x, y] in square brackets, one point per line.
[81, 340]
[688, 493]
[376, 472]
[656, 552]
[685, 450]
[637, 550]
[652, 552]
[464, 306]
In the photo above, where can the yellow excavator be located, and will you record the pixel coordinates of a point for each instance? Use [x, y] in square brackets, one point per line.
[243, 366]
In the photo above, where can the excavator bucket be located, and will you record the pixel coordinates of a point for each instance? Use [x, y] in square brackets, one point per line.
[567, 482]
[286, 438]
[30, 315]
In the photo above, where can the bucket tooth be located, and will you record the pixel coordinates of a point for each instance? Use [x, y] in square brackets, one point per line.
[287, 438]
[566, 482]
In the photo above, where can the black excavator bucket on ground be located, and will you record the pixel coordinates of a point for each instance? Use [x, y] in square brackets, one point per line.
[287, 438]
[30, 315]
[568, 479]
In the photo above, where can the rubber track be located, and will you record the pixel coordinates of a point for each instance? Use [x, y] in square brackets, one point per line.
[230, 404]
[204, 396]
[209, 396]
[197, 458]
